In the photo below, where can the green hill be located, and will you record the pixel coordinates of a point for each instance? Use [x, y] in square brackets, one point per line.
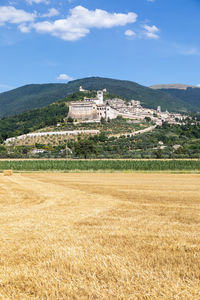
[32, 120]
[177, 86]
[190, 95]
[131, 90]
[35, 119]
[31, 96]
[39, 95]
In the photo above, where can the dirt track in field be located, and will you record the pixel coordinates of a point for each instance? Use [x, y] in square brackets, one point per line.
[100, 236]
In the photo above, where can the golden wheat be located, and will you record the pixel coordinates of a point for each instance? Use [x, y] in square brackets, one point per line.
[100, 236]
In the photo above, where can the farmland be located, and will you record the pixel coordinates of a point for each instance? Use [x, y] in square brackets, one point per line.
[100, 236]
[101, 165]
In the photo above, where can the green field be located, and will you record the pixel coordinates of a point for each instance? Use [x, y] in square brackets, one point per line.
[98, 165]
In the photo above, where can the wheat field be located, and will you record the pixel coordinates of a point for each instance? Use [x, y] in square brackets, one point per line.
[100, 236]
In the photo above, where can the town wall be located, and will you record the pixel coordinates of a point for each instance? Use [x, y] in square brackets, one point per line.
[83, 111]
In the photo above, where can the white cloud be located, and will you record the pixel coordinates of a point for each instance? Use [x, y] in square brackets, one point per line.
[198, 85]
[81, 20]
[52, 12]
[129, 33]
[151, 32]
[151, 0]
[9, 14]
[37, 1]
[64, 77]
[24, 28]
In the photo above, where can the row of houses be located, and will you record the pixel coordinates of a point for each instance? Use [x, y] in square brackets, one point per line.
[93, 109]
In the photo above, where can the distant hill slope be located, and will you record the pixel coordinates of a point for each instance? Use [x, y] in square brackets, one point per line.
[31, 96]
[39, 95]
[190, 95]
[131, 90]
[171, 86]
[35, 119]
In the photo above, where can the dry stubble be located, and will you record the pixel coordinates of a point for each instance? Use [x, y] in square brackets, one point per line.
[100, 236]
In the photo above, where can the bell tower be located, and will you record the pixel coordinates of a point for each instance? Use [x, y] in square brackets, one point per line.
[100, 97]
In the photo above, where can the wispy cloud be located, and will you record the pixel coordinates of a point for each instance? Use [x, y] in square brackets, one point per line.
[52, 12]
[64, 77]
[187, 50]
[190, 51]
[37, 1]
[151, 32]
[130, 33]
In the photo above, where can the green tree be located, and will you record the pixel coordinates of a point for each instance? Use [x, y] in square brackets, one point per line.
[70, 120]
[159, 153]
[103, 121]
[84, 148]
[148, 119]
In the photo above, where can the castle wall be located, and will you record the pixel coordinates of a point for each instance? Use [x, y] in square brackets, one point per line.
[111, 113]
[83, 111]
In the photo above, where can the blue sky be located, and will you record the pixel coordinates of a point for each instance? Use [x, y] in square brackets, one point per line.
[146, 41]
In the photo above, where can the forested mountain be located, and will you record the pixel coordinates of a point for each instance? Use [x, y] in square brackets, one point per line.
[189, 95]
[31, 96]
[177, 86]
[131, 90]
[39, 95]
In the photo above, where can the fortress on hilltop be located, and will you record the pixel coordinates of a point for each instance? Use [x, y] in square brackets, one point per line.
[93, 109]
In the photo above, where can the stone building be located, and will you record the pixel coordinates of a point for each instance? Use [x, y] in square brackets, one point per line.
[83, 110]
[98, 100]
[93, 109]
[81, 89]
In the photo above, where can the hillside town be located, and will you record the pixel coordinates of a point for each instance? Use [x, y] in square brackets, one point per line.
[94, 109]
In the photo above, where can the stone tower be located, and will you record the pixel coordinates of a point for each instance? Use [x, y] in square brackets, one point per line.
[81, 89]
[159, 109]
[100, 97]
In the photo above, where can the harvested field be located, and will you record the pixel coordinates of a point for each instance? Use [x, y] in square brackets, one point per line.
[100, 236]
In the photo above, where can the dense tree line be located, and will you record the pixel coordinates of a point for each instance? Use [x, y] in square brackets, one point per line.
[166, 141]
[32, 120]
